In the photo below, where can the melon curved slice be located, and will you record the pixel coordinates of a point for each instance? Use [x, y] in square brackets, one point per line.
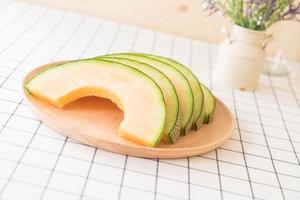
[181, 84]
[173, 116]
[134, 92]
[195, 86]
[210, 104]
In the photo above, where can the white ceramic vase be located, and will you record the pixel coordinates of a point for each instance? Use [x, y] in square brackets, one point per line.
[241, 58]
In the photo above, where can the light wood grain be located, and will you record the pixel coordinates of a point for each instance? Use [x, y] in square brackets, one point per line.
[94, 121]
[181, 17]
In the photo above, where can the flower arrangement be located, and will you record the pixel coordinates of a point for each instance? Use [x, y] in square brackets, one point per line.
[254, 14]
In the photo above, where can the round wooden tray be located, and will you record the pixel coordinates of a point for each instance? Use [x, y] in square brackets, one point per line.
[94, 121]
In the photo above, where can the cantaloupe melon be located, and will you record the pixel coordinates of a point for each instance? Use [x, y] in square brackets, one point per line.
[204, 100]
[210, 104]
[134, 92]
[182, 86]
[173, 116]
[195, 86]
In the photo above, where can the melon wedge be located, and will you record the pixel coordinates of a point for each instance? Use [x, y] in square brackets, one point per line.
[209, 106]
[182, 86]
[134, 92]
[195, 86]
[173, 115]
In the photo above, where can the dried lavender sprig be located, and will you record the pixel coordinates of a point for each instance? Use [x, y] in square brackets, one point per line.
[254, 14]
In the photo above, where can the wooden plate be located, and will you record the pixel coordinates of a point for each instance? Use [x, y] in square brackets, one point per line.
[94, 121]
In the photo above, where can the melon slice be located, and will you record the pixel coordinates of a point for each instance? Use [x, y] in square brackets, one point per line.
[134, 92]
[182, 87]
[195, 86]
[209, 106]
[173, 116]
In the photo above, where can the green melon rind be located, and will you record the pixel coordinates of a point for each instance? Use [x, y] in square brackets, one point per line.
[172, 134]
[195, 85]
[159, 135]
[186, 127]
[210, 105]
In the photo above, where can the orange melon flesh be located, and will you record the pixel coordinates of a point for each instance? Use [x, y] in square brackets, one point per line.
[134, 92]
[195, 86]
[181, 84]
[173, 116]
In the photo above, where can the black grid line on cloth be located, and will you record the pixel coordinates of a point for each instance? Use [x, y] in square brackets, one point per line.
[93, 198]
[157, 160]
[189, 178]
[11, 89]
[259, 156]
[188, 158]
[190, 61]
[66, 139]
[69, 38]
[18, 163]
[15, 17]
[9, 100]
[125, 163]
[40, 42]
[103, 181]
[10, 116]
[90, 197]
[167, 178]
[261, 145]
[250, 167]
[88, 174]
[104, 164]
[267, 144]
[239, 120]
[203, 186]
[109, 49]
[283, 120]
[163, 161]
[115, 36]
[95, 149]
[156, 178]
[287, 120]
[191, 68]
[264, 115]
[53, 169]
[293, 91]
[296, 115]
[211, 87]
[122, 179]
[288, 96]
[219, 174]
[27, 30]
[269, 136]
[92, 39]
[269, 126]
[241, 141]
[126, 158]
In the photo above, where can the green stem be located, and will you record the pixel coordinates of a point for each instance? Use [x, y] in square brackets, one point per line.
[268, 10]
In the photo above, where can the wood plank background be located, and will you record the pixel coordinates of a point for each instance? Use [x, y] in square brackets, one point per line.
[181, 17]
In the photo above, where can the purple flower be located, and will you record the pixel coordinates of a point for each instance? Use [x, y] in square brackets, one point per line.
[292, 12]
[210, 6]
[254, 14]
[248, 11]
